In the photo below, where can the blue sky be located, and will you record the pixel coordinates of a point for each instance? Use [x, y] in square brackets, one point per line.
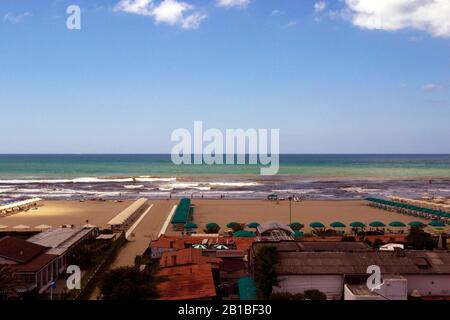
[333, 76]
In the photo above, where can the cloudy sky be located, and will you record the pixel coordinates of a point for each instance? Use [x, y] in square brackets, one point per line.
[336, 76]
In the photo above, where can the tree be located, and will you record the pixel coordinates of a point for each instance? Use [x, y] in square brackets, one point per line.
[314, 294]
[418, 239]
[9, 282]
[212, 228]
[265, 274]
[128, 283]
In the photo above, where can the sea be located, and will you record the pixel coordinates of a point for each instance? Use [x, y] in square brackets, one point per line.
[130, 176]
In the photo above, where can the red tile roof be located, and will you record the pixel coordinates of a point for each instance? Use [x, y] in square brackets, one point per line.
[35, 264]
[187, 283]
[19, 250]
[186, 257]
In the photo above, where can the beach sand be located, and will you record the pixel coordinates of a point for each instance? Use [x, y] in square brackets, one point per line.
[56, 213]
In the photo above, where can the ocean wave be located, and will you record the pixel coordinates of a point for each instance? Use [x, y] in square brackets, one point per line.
[153, 179]
[234, 184]
[132, 186]
[297, 191]
[87, 180]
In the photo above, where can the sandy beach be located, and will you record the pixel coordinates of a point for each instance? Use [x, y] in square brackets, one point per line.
[56, 213]
[245, 211]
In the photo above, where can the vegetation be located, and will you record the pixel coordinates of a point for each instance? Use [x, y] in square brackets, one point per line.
[287, 296]
[265, 274]
[211, 228]
[236, 226]
[296, 226]
[418, 239]
[348, 238]
[315, 295]
[8, 282]
[128, 283]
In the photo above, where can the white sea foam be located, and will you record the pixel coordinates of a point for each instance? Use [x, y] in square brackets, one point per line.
[296, 191]
[234, 184]
[132, 186]
[154, 179]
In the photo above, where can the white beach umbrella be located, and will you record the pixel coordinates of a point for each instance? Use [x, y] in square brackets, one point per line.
[88, 226]
[43, 226]
[3, 227]
[220, 247]
[21, 226]
[199, 246]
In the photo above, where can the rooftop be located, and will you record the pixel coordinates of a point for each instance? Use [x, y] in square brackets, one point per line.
[128, 212]
[186, 257]
[18, 250]
[409, 262]
[60, 239]
[187, 283]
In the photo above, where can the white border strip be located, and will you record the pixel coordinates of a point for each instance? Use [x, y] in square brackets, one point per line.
[166, 223]
[129, 231]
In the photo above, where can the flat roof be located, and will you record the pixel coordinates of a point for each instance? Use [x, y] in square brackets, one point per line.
[60, 239]
[128, 212]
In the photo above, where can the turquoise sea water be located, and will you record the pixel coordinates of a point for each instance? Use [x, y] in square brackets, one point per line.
[73, 166]
[155, 176]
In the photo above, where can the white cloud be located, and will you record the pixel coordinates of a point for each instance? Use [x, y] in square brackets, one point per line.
[290, 24]
[233, 3]
[15, 18]
[432, 87]
[171, 12]
[319, 6]
[432, 16]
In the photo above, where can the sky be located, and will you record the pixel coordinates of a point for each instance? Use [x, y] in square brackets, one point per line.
[342, 76]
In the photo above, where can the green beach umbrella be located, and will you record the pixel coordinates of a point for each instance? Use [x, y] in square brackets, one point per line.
[337, 224]
[357, 224]
[436, 224]
[296, 226]
[190, 225]
[233, 225]
[416, 224]
[397, 224]
[244, 234]
[377, 224]
[316, 225]
[253, 225]
[298, 234]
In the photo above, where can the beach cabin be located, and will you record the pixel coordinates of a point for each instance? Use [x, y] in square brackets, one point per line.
[127, 217]
[183, 214]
